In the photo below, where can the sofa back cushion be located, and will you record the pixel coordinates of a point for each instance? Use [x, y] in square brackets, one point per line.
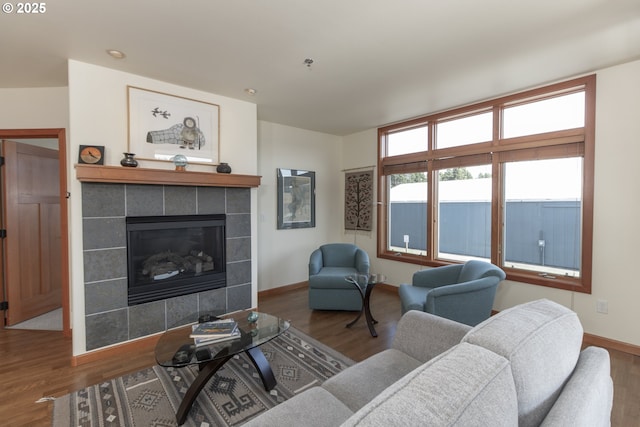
[542, 341]
[339, 255]
[466, 385]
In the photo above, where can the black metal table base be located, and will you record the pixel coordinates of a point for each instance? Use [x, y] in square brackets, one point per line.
[208, 369]
[366, 308]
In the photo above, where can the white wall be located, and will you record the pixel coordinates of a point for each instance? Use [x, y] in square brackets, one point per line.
[284, 254]
[617, 204]
[616, 229]
[98, 115]
[34, 108]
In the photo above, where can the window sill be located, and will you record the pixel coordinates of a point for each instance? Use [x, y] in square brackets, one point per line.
[565, 283]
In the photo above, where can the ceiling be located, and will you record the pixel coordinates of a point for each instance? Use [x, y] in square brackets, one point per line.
[374, 61]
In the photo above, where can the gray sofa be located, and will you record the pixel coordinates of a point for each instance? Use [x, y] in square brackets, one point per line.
[522, 367]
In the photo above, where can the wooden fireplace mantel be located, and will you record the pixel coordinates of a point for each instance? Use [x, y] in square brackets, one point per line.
[125, 175]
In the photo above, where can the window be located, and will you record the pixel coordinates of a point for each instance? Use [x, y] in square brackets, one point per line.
[408, 213]
[465, 130]
[408, 141]
[543, 199]
[547, 115]
[464, 213]
[508, 181]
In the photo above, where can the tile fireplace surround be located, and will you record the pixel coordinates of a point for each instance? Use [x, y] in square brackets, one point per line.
[109, 320]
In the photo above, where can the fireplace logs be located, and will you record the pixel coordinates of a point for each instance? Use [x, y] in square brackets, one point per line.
[168, 264]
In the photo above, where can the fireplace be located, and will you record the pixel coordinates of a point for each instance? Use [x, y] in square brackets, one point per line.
[169, 256]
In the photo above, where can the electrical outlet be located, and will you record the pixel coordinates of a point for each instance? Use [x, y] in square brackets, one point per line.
[602, 306]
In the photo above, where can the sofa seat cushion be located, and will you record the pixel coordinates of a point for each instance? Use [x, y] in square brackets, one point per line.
[332, 278]
[360, 383]
[315, 407]
[542, 340]
[465, 386]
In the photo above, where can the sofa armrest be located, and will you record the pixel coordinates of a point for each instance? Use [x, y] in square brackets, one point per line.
[458, 289]
[434, 277]
[315, 407]
[424, 336]
[362, 261]
[315, 262]
[469, 303]
[587, 397]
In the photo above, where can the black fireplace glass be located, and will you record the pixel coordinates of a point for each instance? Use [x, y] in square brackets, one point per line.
[169, 256]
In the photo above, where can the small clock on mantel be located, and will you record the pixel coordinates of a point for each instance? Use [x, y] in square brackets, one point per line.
[91, 155]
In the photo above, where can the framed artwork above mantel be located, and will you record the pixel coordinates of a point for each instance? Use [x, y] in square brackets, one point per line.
[162, 126]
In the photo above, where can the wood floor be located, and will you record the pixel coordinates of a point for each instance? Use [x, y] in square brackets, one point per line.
[36, 364]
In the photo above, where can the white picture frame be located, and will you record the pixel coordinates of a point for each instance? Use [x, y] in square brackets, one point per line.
[162, 126]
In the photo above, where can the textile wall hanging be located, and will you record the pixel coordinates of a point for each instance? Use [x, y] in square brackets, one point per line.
[358, 200]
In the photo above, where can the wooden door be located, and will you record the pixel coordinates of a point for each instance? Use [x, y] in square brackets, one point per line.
[31, 202]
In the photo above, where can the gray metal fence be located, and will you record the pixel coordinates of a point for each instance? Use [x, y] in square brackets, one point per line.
[537, 232]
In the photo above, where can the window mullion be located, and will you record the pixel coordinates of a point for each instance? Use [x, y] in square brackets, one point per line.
[432, 209]
[497, 212]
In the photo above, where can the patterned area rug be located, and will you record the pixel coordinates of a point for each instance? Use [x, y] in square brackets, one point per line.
[233, 396]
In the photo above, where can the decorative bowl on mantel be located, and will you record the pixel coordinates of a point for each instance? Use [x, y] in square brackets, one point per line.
[223, 168]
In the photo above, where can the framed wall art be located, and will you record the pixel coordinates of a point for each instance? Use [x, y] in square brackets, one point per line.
[296, 199]
[162, 126]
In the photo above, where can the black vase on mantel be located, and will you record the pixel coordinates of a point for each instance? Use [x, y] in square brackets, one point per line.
[223, 168]
[128, 160]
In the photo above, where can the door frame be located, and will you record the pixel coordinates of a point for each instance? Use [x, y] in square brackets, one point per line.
[60, 134]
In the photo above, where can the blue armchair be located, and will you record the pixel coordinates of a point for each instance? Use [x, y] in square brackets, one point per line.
[328, 266]
[460, 292]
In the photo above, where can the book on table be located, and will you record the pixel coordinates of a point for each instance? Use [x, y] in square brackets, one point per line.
[214, 329]
[214, 340]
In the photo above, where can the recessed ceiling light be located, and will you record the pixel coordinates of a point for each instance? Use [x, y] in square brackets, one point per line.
[116, 53]
[251, 91]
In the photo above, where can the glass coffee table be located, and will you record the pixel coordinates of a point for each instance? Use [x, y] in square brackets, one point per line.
[365, 283]
[176, 349]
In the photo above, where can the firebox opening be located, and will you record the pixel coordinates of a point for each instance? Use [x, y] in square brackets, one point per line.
[169, 256]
